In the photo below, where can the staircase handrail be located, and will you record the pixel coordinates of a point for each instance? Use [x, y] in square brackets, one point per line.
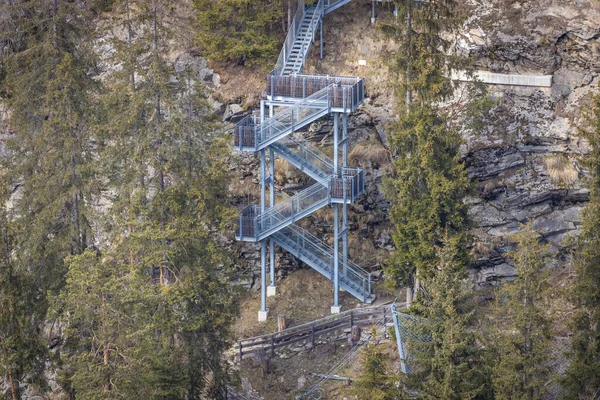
[313, 155]
[292, 117]
[290, 37]
[290, 207]
[318, 242]
[314, 22]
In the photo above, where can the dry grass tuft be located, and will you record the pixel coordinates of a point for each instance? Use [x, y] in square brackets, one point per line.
[561, 169]
[283, 170]
[373, 153]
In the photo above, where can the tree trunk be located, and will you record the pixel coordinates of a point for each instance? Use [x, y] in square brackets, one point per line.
[13, 387]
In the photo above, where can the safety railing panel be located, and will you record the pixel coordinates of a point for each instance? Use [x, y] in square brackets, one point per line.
[349, 186]
[349, 92]
[311, 156]
[247, 227]
[293, 117]
[292, 208]
[244, 133]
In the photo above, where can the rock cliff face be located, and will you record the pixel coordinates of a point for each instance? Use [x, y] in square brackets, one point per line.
[525, 165]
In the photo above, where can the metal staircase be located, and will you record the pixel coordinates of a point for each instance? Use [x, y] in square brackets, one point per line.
[294, 101]
[318, 255]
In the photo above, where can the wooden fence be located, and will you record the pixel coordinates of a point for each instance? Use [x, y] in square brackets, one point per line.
[309, 333]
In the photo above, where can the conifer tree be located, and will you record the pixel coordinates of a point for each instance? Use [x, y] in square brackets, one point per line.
[374, 381]
[583, 374]
[242, 31]
[21, 348]
[163, 155]
[521, 336]
[447, 362]
[49, 89]
[428, 181]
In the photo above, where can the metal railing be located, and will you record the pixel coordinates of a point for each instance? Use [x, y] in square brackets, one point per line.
[349, 186]
[244, 132]
[288, 44]
[349, 92]
[352, 274]
[253, 223]
[308, 155]
[293, 208]
[292, 35]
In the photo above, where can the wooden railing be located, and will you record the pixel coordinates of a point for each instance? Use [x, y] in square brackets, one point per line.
[311, 332]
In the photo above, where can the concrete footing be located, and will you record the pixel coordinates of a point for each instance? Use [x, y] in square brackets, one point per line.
[336, 309]
[271, 290]
[262, 316]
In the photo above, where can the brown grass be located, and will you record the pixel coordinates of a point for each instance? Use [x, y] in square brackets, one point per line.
[283, 170]
[561, 169]
[370, 152]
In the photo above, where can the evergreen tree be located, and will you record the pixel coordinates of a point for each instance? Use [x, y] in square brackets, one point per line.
[522, 336]
[49, 90]
[244, 31]
[450, 364]
[426, 191]
[374, 382]
[21, 348]
[163, 155]
[583, 374]
[428, 181]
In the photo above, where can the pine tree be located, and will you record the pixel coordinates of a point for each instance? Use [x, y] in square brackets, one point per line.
[243, 31]
[428, 182]
[163, 155]
[448, 361]
[374, 381]
[49, 89]
[522, 335]
[583, 374]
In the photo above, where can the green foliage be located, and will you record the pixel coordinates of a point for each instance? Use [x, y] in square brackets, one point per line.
[421, 64]
[140, 289]
[451, 364]
[426, 191]
[583, 375]
[374, 382]
[21, 347]
[244, 31]
[163, 272]
[49, 90]
[521, 335]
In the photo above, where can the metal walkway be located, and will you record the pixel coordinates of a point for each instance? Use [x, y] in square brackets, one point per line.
[293, 102]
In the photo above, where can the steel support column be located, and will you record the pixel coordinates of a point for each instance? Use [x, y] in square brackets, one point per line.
[272, 290]
[345, 205]
[321, 39]
[336, 222]
[262, 314]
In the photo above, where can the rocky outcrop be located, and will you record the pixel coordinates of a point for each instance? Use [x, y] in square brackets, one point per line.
[530, 126]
